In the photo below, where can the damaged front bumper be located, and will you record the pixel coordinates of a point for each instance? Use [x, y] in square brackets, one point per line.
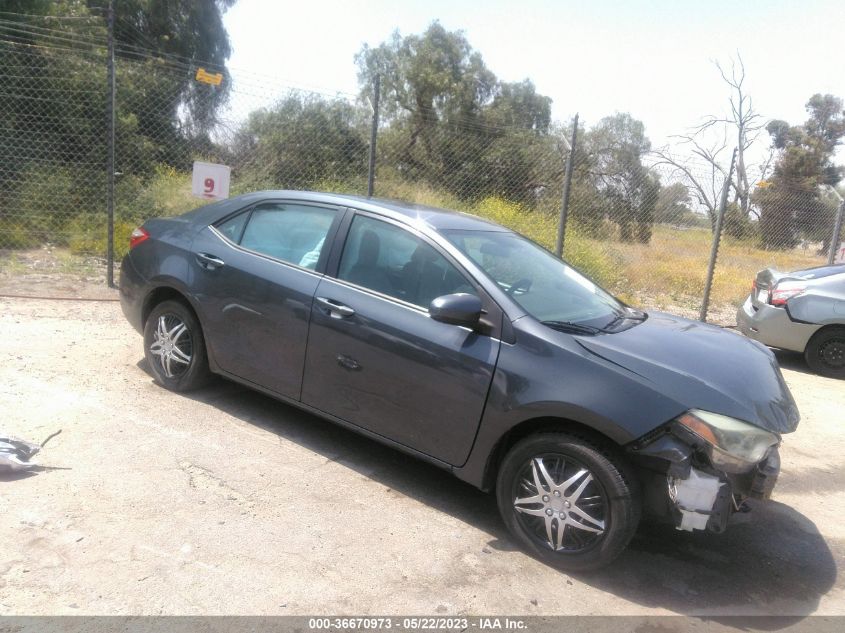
[683, 486]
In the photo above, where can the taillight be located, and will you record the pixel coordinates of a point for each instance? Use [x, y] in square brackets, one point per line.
[784, 291]
[137, 236]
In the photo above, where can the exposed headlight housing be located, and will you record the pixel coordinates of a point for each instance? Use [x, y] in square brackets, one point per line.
[732, 445]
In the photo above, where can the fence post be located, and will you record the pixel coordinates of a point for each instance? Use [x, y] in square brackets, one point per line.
[567, 183]
[110, 114]
[717, 237]
[371, 174]
[837, 231]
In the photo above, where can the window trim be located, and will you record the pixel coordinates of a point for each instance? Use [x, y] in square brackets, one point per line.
[328, 244]
[335, 272]
[495, 315]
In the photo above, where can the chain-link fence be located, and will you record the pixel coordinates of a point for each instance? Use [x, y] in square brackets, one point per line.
[640, 222]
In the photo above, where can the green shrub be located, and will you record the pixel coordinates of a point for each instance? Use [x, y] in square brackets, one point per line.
[166, 194]
[44, 201]
[737, 224]
[582, 253]
[393, 187]
[350, 186]
[16, 234]
[88, 235]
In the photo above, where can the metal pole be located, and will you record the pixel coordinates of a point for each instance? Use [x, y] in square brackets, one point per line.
[371, 175]
[567, 184]
[110, 106]
[837, 230]
[717, 237]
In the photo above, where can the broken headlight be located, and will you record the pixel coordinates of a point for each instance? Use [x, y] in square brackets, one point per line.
[732, 445]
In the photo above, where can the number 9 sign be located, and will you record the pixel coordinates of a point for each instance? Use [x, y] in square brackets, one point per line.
[210, 181]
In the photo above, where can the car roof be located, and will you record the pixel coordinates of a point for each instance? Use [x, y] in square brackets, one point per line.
[408, 213]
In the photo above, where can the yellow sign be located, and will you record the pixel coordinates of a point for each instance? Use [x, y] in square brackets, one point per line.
[215, 79]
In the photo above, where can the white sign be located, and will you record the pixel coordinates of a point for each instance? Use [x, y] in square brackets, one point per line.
[840, 254]
[210, 181]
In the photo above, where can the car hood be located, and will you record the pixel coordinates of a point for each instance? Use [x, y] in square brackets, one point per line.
[703, 367]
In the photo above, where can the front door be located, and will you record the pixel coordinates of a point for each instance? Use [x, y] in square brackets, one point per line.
[375, 358]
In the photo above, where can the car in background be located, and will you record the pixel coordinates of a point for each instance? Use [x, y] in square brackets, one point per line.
[802, 311]
[467, 345]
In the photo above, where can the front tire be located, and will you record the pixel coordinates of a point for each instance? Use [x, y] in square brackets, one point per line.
[825, 353]
[174, 347]
[568, 501]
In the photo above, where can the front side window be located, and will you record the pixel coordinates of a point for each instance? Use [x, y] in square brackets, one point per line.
[289, 232]
[543, 285]
[390, 260]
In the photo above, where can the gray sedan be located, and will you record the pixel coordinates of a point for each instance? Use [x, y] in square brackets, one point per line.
[801, 311]
[464, 344]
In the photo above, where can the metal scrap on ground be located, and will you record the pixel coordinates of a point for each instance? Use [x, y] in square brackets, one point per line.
[16, 454]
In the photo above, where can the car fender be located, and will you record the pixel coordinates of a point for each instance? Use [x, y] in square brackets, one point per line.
[567, 384]
[176, 284]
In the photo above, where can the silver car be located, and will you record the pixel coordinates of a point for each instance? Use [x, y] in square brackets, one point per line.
[802, 311]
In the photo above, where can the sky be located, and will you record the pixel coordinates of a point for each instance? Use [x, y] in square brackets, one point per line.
[654, 59]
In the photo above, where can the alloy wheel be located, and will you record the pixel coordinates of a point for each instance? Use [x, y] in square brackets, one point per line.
[560, 504]
[172, 345]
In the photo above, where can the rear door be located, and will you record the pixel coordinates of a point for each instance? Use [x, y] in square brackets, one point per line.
[255, 277]
[375, 358]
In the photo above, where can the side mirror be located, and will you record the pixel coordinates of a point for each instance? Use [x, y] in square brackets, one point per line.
[456, 309]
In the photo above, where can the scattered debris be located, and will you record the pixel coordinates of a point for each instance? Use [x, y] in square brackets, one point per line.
[16, 454]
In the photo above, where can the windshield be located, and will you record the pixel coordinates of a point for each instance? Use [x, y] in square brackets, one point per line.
[543, 285]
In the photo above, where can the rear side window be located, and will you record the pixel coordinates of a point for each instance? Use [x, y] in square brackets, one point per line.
[291, 233]
[233, 228]
[390, 260]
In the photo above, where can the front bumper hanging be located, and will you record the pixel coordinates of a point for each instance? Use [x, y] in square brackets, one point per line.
[682, 487]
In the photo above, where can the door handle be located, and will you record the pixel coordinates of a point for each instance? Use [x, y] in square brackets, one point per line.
[209, 262]
[348, 362]
[336, 310]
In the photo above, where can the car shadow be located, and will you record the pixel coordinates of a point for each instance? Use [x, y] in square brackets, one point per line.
[777, 565]
[793, 361]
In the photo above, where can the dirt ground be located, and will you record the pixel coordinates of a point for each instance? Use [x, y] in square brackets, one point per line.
[228, 502]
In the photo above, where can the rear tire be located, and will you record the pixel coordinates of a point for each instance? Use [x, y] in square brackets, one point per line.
[825, 353]
[175, 348]
[588, 508]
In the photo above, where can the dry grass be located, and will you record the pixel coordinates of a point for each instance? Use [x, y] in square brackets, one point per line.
[671, 270]
[669, 273]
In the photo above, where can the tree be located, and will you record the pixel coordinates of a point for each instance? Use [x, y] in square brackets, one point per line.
[303, 142]
[710, 140]
[429, 81]
[519, 105]
[792, 202]
[673, 206]
[161, 108]
[617, 145]
[182, 31]
[450, 122]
